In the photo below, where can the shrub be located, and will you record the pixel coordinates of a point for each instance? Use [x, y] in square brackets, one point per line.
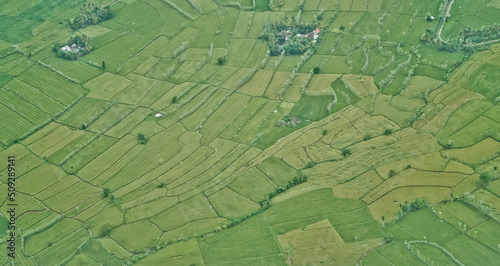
[141, 139]
[388, 132]
[388, 238]
[346, 152]
[392, 173]
[310, 164]
[221, 60]
[174, 99]
[107, 192]
[485, 178]
[367, 137]
[316, 70]
[106, 229]
[414, 206]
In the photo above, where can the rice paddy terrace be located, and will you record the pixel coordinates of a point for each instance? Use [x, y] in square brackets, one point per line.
[180, 140]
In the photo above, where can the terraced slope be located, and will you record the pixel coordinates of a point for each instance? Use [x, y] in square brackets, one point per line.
[258, 160]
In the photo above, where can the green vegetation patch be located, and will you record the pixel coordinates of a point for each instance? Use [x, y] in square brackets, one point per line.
[424, 225]
[293, 37]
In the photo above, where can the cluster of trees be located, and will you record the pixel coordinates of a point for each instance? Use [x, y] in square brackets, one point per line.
[276, 34]
[414, 206]
[90, 14]
[467, 39]
[470, 36]
[79, 45]
[141, 139]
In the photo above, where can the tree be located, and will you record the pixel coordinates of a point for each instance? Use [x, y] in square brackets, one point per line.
[141, 138]
[174, 100]
[392, 173]
[103, 64]
[388, 132]
[316, 70]
[485, 178]
[388, 238]
[346, 152]
[106, 229]
[221, 60]
[107, 192]
[342, 28]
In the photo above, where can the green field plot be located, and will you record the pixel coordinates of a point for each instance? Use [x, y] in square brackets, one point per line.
[144, 230]
[24, 108]
[136, 91]
[468, 250]
[64, 248]
[180, 253]
[48, 237]
[249, 131]
[198, 117]
[88, 153]
[477, 154]
[16, 126]
[106, 86]
[434, 231]
[149, 208]
[155, 145]
[146, 65]
[40, 78]
[32, 186]
[112, 116]
[257, 85]
[63, 153]
[84, 112]
[397, 254]
[185, 71]
[239, 50]
[57, 187]
[225, 114]
[260, 243]
[313, 107]
[222, 74]
[125, 125]
[77, 70]
[163, 69]
[194, 209]
[183, 39]
[229, 204]
[474, 132]
[94, 250]
[463, 116]
[246, 114]
[253, 176]
[61, 203]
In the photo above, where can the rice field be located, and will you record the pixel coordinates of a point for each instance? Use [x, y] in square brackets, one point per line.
[179, 140]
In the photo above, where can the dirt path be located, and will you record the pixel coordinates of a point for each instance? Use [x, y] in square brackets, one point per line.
[442, 19]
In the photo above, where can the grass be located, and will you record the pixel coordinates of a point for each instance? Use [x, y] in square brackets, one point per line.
[434, 231]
